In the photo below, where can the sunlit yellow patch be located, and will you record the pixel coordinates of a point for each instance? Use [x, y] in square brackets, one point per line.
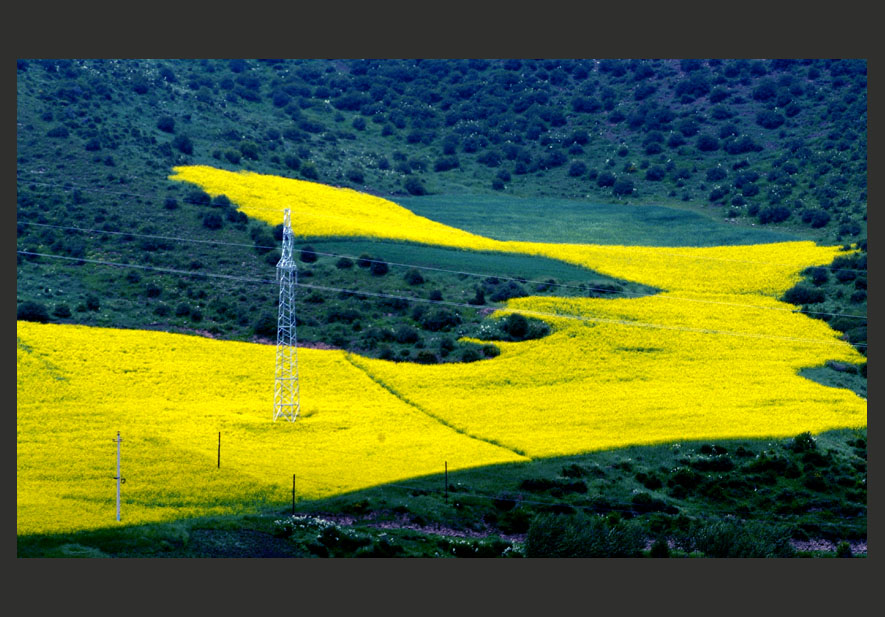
[714, 355]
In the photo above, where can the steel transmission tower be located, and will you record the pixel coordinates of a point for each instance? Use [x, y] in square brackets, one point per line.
[286, 397]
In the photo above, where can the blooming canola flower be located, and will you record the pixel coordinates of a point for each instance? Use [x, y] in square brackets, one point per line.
[714, 355]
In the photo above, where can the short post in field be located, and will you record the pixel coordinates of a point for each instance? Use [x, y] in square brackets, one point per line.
[293, 494]
[447, 481]
[219, 449]
[118, 478]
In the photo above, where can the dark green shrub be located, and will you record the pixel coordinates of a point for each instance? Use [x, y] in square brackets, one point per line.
[308, 255]
[62, 310]
[92, 302]
[819, 276]
[606, 178]
[379, 268]
[803, 294]
[655, 173]
[414, 186]
[516, 326]
[769, 119]
[511, 289]
[413, 277]
[490, 351]
[445, 163]
[183, 144]
[60, 131]
[623, 186]
[166, 124]
[292, 162]
[364, 260]
[773, 214]
[32, 311]
[577, 168]
[650, 481]
[266, 325]
[707, 143]
[406, 335]
[344, 263]
[248, 149]
[844, 550]
[425, 356]
[684, 477]
[803, 442]
[212, 220]
[170, 203]
[199, 198]
[440, 320]
[470, 354]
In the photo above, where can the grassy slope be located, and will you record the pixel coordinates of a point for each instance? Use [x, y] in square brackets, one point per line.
[547, 219]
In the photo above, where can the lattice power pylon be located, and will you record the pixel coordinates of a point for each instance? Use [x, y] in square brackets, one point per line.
[286, 397]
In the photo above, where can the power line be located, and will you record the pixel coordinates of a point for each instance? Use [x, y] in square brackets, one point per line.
[457, 272]
[457, 304]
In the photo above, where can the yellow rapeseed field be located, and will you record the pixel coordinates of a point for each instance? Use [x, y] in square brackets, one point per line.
[714, 355]
[169, 395]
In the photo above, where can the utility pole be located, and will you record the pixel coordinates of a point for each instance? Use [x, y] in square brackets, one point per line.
[287, 399]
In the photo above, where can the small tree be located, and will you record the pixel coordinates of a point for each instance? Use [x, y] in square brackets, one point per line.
[414, 186]
[266, 325]
[578, 168]
[379, 268]
[212, 220]
[308, 255]
[166, 124]
[183, 144]
[623, 186]
[516, 326]
[32, 311]
[413, 277]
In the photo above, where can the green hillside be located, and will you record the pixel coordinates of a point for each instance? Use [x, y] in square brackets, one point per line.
[661, 152]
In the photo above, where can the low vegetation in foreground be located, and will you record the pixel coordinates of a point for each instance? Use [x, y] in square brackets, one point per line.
[797, 497]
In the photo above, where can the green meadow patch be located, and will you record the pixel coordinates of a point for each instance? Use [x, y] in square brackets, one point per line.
[546, 219]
